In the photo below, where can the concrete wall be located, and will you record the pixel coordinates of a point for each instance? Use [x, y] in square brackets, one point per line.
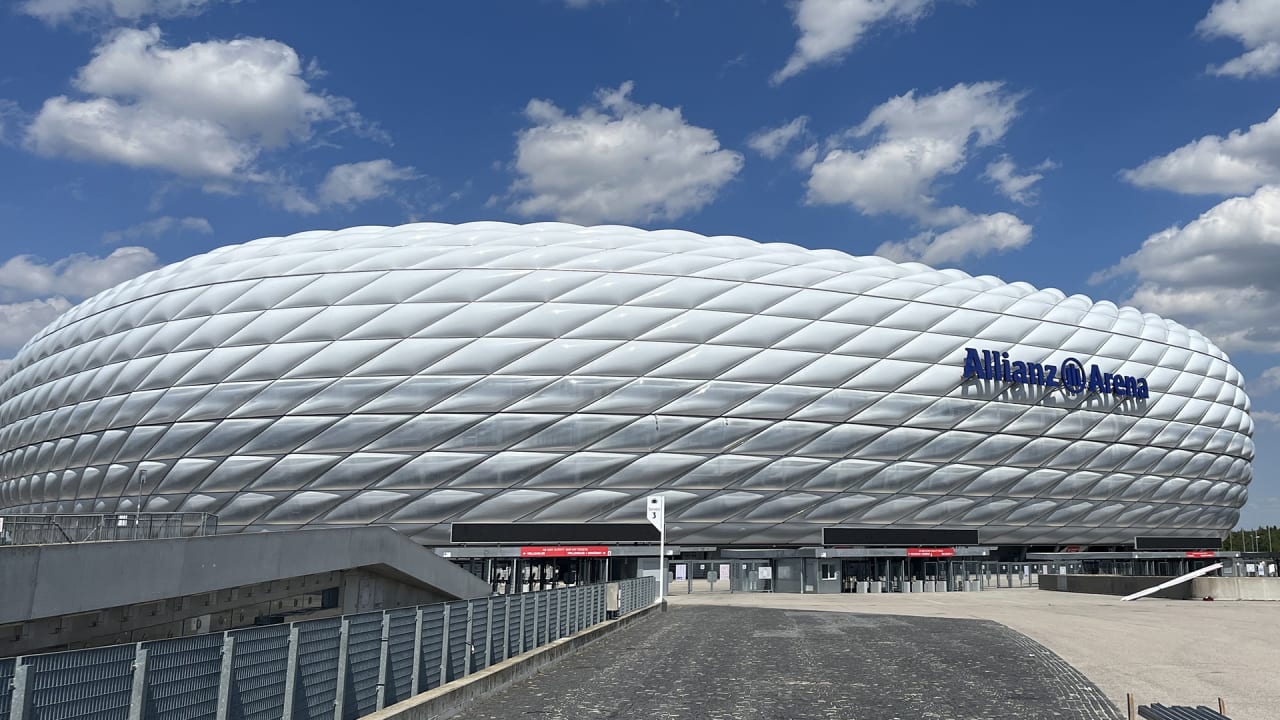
[52, 580]
[1236, 588]
[1114, 585]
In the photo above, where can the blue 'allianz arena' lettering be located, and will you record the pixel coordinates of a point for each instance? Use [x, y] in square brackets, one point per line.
[1070, 375]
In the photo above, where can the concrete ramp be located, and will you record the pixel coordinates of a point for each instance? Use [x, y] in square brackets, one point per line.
[205, 584]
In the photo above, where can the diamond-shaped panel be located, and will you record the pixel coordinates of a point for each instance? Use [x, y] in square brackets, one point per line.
[428, 373]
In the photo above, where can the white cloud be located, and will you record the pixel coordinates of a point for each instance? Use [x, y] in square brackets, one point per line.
[1018, 188]
[353, 183]
[206, 110]
[976, 236]
[1239, 163]
[1268, 382]
[917, 141]
[33, 293]
[772, 142]
[1256, 24]
[1219, 273]
[157, 227]
[57, 11]
[77, 276]
[1266, 416]
[617, 161]
[921, 139]
[21, 320]
[895, 176]
[830, 28]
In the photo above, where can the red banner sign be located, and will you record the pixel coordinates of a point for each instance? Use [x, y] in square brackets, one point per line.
[931, 552]
[1201, 554]
[565, 551]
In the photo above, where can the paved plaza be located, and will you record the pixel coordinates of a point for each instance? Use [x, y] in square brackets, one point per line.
[1170, 651]
[706, 660]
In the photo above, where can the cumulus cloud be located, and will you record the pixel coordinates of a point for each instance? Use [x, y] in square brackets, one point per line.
[1268, 382]
[920, 139]
[976, 236]
[358, 182]
[1018, 188]
[54, 12]
[156, 227]
[206, 110]
[772, 142]
[1219, 273]
[1265, 416]
[617, 161]
[830, 28]
[1214, 165]
[21, 320]
[914, 141]
[33, 292]
[79, 275]
[1256, 25]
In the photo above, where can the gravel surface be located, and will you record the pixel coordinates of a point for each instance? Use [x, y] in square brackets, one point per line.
[745, 662]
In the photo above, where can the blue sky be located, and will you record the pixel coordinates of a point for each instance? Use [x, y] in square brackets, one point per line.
[1125, 151]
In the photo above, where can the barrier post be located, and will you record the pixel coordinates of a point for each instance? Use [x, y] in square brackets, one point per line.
[138, 692]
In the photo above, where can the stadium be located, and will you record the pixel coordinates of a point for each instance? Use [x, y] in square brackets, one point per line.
[431, 374]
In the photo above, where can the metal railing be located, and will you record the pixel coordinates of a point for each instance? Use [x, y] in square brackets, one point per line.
[58, 529]
[636, 593]
[343, 667]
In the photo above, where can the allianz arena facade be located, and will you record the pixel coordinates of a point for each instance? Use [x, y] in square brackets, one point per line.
[427, 374]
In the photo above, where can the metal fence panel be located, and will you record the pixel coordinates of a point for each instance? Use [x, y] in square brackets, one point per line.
[456, 663]
[182, 678]
[82, 684]
[182, 675]
[316, 687]
[479, 635]
[432, 637]
[399, 678]
[258, 673]
[364, 655]
[498, 629]
[6, 688]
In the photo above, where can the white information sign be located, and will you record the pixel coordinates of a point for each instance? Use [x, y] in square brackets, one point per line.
[656, 513]
[765, 573]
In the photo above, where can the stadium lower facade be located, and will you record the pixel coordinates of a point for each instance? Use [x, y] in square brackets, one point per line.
[430, 374]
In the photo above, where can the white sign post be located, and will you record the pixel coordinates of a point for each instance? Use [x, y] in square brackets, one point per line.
[657, 515]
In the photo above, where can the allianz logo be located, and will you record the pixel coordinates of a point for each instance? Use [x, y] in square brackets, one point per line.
[1070, 375]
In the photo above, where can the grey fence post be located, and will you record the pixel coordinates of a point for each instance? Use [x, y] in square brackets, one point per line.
[384, 659]
[20, 700]
[488, 634]
[444, 648]
[224, 676]
[469, 655]
[536, 629]
[555, 622]
[138, 693]
[291, 673]
[417, 652]
[340, 694]
[506, 626]
[522, 616]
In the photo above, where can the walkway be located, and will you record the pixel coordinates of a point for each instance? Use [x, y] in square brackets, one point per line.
[712, 662]
[1170, 651]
